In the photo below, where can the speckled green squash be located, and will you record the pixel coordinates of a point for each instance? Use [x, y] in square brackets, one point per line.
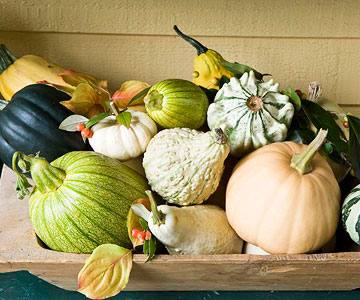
[350, 216]
[251, 113]
[177, 103]
[84, 201]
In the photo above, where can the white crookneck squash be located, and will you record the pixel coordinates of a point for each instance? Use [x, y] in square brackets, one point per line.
[184, 166]
[120, 142]
[251, 113]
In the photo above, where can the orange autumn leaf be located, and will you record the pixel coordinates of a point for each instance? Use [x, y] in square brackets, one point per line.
[128, 90]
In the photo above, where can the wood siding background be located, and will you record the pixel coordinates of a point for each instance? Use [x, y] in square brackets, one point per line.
[297, 41]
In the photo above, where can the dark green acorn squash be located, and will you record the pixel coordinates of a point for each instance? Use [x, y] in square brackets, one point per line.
[30, 124]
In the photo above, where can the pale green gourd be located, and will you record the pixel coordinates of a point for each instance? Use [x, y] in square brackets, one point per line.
[251, 113]
[184, 166]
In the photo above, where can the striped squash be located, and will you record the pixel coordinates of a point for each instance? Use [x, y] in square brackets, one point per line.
[81, 200]
[350, 216]
[177, 103]
[251, 113]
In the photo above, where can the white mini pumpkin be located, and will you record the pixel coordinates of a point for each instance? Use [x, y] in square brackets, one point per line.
[117, 141]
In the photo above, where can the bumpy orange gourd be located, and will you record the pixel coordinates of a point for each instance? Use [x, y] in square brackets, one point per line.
[272, 205]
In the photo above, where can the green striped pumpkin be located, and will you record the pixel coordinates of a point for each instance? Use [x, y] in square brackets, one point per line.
[251, 113]
[177, 103]
[81, 200]
[350, 216]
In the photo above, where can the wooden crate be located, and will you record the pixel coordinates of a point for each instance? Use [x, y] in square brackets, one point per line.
[20, 250]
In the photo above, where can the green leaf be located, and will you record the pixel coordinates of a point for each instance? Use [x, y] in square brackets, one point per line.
[143, 224]
[3, 103]
[239, 69]
[138, 96]
[124, 118]
[106, 272]
[151, 248]
[323, 119]
[96, 119]
[70, 123]
[354, 143]
[294, 98]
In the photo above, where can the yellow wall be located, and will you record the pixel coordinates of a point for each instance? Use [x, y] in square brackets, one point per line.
[296, 41]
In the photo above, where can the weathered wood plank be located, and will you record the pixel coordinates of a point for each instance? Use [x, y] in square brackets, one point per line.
[292, 62]
[257, 18]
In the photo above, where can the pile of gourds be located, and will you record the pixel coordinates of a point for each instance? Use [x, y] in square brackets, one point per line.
[282, 196]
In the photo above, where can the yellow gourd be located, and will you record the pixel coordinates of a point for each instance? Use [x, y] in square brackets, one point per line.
[207, 64]
[283, 201]
[16, 73]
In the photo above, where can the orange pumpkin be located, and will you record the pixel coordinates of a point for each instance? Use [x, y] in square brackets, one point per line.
[283, 202]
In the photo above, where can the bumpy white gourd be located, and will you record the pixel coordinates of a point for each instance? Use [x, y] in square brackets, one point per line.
[184, 166]
[251, 113]
[198, 229]
[117, 141]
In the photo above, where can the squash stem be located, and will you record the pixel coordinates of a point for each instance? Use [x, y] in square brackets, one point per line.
[22, 184]
[199, 47]
[46, 177]
[220, 137]
[6, 58]
[158, 216]
[115, 109]
[302, 162]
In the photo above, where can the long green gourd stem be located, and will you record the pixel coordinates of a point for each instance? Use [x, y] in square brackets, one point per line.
[198, 46]
[6, 58]
[302, 162]
[158, 216]
[46, 177]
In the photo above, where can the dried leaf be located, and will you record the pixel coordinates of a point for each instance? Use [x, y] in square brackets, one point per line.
[68, 89]
[127, 91]
[86, 101]
[133, 220]
[106, 272]
[124, 118]
[70, 123]
[75, 78]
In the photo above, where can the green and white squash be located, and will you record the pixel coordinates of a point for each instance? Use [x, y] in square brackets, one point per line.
[350, 216]
[251, 113]
[184, 166]
[177, 103]
[120, 142]
[81, 200]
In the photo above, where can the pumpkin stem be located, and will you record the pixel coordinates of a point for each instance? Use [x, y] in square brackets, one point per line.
[220, 137]
[158, 216]
[302, 162]
[46, 177]
[6, 58]
[153, 100]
